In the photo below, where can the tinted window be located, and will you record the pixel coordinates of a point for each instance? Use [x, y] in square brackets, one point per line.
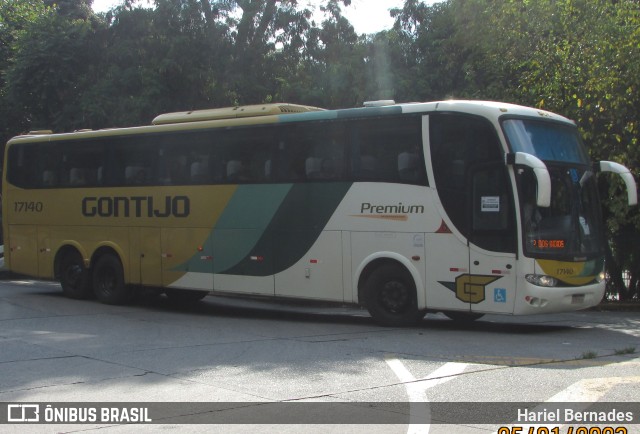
[386, 149]
[311, 152]
[471, 179]
[548, 141]
[22, 168]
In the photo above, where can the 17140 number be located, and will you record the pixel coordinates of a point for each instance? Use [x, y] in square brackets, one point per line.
[28, 206]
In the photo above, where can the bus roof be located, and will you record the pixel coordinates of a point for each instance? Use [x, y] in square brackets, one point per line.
[248, 111]
[286, 113]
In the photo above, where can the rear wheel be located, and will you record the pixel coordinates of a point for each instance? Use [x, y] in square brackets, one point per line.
[390, 296]
[74, 278]
[108, 281]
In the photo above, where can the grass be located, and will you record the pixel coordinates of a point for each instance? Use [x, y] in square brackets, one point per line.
[589, 355]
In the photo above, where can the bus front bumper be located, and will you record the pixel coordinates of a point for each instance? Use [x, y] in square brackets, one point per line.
[534, 299]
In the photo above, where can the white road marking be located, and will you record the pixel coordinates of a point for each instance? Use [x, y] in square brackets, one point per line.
[419, 412]
[586, 391]
[590, 390]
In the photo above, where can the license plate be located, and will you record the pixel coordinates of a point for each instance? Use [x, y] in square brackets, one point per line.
[577, 299]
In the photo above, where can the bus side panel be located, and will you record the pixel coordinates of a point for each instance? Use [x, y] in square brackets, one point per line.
[45, 256]
[497, 280]
[136, 254]
[318, 274]
[23, 249]
[149, 255]
[367, 246]
[187, 250]
[447, 258]
[252, 269]
[350, 292]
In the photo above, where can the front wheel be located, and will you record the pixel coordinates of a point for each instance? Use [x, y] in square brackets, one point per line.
[390, 296]
[108, 281]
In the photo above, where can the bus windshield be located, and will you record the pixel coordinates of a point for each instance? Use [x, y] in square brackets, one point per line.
[548, 141]
[571, 228]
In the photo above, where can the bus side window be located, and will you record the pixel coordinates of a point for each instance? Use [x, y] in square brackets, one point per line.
[492, 215]
[134, 161]
[320, 151]
[469, 172]
[367, 169]
[78, 162]
[268, 170]
[135, 175]
[49, 161]
[408, 166]
[77, 177]
[388, 150]
[49, 178]
[313, 168]
[200, 172]
[236, 171]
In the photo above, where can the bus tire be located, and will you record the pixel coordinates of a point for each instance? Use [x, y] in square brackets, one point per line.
[390, 296]
[463, 317]
[108, 281]
[74, 277]
[183, 296]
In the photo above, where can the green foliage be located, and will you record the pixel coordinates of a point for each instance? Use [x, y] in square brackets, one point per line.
[15, 16]
[62, 67]
[49, 67]
[581, 58]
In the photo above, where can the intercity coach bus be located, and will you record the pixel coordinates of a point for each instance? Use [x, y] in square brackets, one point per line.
[460, 207]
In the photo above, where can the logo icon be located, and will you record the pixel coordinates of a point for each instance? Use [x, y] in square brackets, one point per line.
[23, 413]
[470, 288]
[500, 295]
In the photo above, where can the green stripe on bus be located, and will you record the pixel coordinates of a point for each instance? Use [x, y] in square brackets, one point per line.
[293, 230]
[240, 226]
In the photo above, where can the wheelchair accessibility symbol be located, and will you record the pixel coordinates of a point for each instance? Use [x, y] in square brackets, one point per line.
[500, 295]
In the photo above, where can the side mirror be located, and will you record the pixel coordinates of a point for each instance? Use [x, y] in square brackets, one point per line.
[543, 197]
[627, 177]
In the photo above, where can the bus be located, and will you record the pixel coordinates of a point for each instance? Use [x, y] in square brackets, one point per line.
[461, 207]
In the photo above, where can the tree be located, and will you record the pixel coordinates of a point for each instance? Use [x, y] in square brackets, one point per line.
[575, 57]
[153, 61]
[65, 68]
[47, 76]
[331, 73]
[72, 9]
[578, 58]
[15, 16]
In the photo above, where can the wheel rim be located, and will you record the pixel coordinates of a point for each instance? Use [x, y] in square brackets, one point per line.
[106, 282]
[73, 275]
[395, 297]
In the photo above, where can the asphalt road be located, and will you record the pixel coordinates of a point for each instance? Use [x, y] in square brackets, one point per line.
[229, 351]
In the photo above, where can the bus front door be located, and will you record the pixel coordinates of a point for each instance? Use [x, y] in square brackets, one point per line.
[492, 281]
[492, 241]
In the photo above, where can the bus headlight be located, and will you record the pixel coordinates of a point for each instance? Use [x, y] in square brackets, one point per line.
[540, 280]
[601, 276]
